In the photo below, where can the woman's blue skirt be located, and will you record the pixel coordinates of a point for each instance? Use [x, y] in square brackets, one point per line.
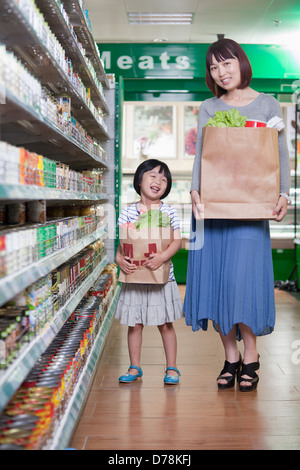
[230, 276]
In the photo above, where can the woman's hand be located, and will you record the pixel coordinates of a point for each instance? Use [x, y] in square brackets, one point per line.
[281, 208]
[197, 207]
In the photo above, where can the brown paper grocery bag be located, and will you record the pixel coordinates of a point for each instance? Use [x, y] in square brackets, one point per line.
[138, 245]
[239, 173]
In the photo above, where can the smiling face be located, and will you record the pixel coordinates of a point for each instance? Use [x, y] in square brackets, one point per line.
[226, 73]
[153, 185]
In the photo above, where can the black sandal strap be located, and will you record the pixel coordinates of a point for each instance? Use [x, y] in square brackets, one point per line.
[228, 378]
[250, 370]
[230, 368]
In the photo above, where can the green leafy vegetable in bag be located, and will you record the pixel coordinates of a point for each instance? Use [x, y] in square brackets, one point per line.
[153, 218]
[231, 118]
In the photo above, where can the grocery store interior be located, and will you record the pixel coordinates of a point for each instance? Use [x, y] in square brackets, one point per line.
[89, 89]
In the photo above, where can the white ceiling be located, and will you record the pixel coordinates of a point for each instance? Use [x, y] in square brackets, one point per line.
[245, 21]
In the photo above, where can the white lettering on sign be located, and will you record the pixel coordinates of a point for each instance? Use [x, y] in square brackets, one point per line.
[125, 62]
[164, 60]
[145, 62]
[183, 62]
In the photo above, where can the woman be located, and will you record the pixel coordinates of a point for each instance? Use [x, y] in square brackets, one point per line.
[230, 280]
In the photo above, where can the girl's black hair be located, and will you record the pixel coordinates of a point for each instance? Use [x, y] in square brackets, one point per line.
[148, 165]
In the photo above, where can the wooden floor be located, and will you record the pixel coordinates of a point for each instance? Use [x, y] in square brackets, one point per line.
[195, 414]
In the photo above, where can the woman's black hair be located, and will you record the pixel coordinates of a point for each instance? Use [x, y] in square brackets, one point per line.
[149, 165]
[224, 49]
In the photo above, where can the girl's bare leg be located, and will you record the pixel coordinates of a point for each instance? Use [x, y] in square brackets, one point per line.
[169, 339]
[134, 340]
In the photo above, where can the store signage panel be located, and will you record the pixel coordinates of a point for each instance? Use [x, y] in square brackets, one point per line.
[152, 60]
[188, 60]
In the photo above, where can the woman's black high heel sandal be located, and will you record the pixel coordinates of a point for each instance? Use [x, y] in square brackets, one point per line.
[232, 368]
[249, 370]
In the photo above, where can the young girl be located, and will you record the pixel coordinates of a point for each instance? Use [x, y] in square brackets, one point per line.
[150, 304]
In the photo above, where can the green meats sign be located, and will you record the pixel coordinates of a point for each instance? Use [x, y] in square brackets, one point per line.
[149, 60]
[187, 61]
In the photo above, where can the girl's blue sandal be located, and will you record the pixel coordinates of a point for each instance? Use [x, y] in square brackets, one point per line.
[172, 379]
[128, 378]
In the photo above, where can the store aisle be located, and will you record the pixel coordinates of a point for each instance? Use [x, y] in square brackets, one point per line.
[195, 414]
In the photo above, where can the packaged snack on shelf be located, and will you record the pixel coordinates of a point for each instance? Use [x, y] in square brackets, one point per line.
[16, 213]
[36, 211]
[49, 167]
[14, 332]
[9, 164]
[40, 171]
[64, 103]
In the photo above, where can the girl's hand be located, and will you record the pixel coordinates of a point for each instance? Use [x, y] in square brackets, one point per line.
[281, 208]
[124, 262]
[125, 265]
[197, 207]
[154, 261]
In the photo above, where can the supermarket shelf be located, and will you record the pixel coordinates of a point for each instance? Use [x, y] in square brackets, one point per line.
[72, 413]
[19, 192]
[39, 135]
[85, 36]
[28, 119]
[12, 378]
[28, 46]
[13, 284]
[50, 9]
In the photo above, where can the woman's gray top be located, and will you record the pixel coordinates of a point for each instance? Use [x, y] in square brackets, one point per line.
[263, 108]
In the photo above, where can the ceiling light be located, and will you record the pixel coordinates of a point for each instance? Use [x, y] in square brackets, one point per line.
[160, 18]
[160, 40]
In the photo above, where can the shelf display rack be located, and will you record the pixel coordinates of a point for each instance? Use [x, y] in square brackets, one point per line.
[57, 103]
